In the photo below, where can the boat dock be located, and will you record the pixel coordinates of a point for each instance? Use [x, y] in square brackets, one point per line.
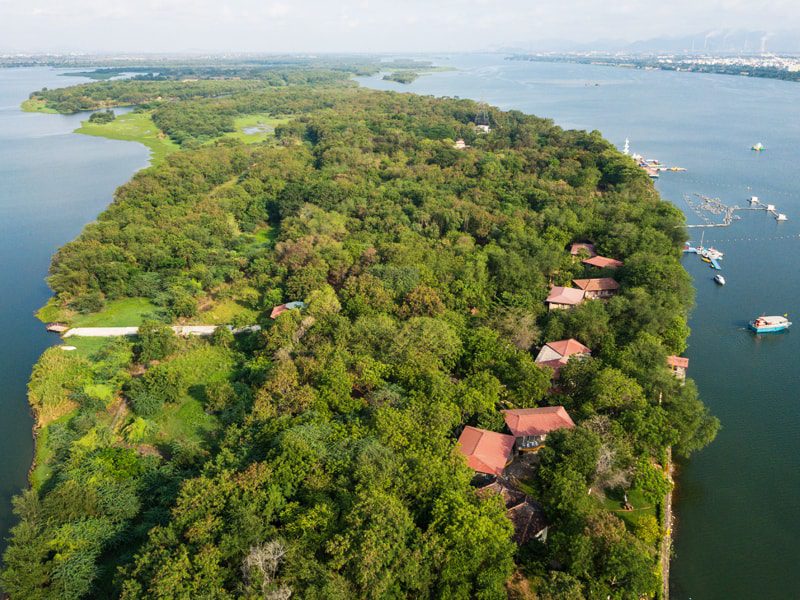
[755, 204]
[650, 166]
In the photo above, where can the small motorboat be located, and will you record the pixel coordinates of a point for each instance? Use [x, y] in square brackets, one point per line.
[719, 279]
[705, 259]
[770, 324]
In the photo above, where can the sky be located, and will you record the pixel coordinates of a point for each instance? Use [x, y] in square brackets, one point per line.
[363, 25]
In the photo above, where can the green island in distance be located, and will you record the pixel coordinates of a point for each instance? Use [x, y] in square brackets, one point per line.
[398, 254]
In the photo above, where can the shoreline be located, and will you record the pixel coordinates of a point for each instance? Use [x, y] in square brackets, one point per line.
[37, 427]
[666, 542]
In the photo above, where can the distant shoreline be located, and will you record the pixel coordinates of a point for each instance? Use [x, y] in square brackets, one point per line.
[678, 65]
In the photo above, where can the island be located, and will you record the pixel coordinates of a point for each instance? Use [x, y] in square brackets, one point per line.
[319, 362]
[402, 76]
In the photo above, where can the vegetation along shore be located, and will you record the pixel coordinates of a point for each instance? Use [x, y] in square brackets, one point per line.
[448, 394]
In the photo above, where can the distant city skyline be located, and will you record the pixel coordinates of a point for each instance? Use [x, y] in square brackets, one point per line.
[364, 25]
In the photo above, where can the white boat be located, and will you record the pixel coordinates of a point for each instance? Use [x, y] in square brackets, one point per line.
[770, 324]
[719, 279]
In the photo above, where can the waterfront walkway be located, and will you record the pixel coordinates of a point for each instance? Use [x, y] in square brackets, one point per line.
[183, 330]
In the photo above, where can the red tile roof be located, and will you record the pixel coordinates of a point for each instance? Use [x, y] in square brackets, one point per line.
[568, 347]
[578, 246]
[602, 262]
[278, 311]
[597, 284]
[486, 451]
[537, 421]
[678, 361]
[565, 295]
[555, 365]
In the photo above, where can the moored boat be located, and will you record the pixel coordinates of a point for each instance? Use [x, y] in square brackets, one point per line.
[769, 324]
[719, 279]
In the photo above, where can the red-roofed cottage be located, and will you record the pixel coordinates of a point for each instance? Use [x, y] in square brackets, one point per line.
[530, 426]
[556, 354]
[564, 297]
[678, 364]
[277, 311]
[600, 287]
[601, 262]
[486, 451]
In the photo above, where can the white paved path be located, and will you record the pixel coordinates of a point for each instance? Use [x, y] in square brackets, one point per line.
[125, 331]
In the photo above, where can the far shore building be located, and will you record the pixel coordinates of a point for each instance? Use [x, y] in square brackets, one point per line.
[598, 288]
[487, 452]
[561, 298]
[282, 308]
[678, 364]
[582, 248]
[601, 262]
[460, 145]
[530, 426]
[556, 354]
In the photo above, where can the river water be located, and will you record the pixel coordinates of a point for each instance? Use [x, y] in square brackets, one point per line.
[737, 501]
[52, 182]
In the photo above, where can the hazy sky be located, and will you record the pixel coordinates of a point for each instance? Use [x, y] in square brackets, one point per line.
[363, 25]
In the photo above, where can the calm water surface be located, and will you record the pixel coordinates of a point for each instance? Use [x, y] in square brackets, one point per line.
[738, 501]
[52, 182]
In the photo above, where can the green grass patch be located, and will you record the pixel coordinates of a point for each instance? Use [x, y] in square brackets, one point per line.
[86, 346]
[126, 312]
[225, 312]
[134, 127]
[641, 506]
[186, 421]
[99, 391]
[43, 453]
[266, 235]
[252, 129]
[37, 105]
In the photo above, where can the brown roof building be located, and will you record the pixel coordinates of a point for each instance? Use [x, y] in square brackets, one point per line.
[564, 297]
[578, 247]
[601, 262]
[530, 426]
[529, 522]
[599, 287]
[511, 497]
[526, 515]
[486, 451]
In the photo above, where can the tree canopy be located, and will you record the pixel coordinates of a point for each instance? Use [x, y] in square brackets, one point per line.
[322, 457]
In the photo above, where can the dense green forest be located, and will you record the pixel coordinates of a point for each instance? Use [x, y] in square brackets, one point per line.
[317, 457]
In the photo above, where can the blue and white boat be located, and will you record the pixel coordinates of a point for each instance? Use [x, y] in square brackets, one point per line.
[770, 324]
